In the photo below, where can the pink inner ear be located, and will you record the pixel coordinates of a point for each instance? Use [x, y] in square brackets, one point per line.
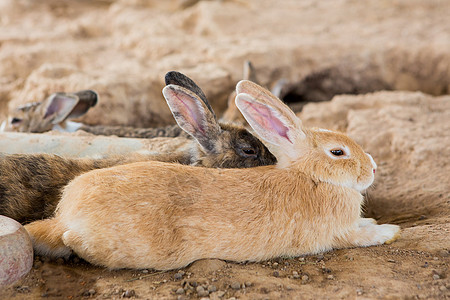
[265, 118]
[191, 110]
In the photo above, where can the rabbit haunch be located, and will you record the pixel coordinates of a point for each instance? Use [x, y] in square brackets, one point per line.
[31, 185]
[171, 215]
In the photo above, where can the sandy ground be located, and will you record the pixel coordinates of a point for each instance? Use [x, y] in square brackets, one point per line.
[123, 49]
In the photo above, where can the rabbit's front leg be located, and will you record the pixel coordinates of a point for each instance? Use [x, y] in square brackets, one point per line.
[368, 233]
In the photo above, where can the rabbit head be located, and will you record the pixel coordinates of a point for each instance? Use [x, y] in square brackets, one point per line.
[326, 156]
[220, 145]
[53, 113]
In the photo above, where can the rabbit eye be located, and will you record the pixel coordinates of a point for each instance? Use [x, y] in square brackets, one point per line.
[15, 121]
[337, 152]
[249, 151]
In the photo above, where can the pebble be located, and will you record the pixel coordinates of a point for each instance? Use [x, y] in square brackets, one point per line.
[275, 264]
[359, 292]
[294, 273]
[145, 271]
[178, 275]
[436, 277]
[296, 276]
[330, 277]
[181, 297]
[301, 259]
[236, 285]
[180, 291]
[391, 261]
[276, 274]
[305, 277]
[212, 288]
[248, 283]
[128, 294]
[201, 292]
[220, 294]
[442, 288]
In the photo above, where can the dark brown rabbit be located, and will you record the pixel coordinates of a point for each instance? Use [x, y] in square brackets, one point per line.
[30, 185]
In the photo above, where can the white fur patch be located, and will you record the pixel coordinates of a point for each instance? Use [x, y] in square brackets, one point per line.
[3, 126]
[67, 126]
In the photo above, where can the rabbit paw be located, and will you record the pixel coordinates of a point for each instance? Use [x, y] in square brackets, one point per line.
[387, 233]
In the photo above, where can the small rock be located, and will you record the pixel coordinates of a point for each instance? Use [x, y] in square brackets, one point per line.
[294, 273]
[391, 261]
[276, 274]
[359, 292]
[178, 276]
[181, 297]
[305, 278]
[330, 277]
[128, 294]
[436, 277]
[296, 276]
[248, 283]
[442, 288]
[275, 264]
[201, 292]
[145, 271]
[444, 253]
[236, 285]
[320, 257]
[180, 291]
[435, 258]
[212, 288]
[91, 292]
[422, 217]
[220, 294]
[301, 259]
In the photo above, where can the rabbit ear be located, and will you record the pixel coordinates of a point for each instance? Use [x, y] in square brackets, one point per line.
[249, 72]
[182, 80]
[59, 106]
[193, 115]
[87, 99]
[264, 96]
[276, 125]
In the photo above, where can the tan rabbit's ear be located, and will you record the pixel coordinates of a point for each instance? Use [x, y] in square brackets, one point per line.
[193, 116]
[264, 96]
[62, 106]
[276, 125]
[86, 100]
[59, 106]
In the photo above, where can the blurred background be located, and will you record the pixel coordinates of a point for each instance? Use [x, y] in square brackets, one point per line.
[123, 48]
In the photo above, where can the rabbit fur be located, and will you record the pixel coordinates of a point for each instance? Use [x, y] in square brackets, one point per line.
[31, 185]
[165, 216]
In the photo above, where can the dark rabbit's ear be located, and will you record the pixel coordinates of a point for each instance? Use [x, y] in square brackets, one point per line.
[87, 99]
[177, 78]
[193, 116]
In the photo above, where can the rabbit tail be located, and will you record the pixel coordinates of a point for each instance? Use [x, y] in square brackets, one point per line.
[46, 236]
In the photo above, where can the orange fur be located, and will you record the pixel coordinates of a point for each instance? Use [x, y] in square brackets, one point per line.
[164, 216]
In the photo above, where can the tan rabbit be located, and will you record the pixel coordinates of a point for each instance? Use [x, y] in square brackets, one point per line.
[31, 185]
[165, 216]
[53, 113]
